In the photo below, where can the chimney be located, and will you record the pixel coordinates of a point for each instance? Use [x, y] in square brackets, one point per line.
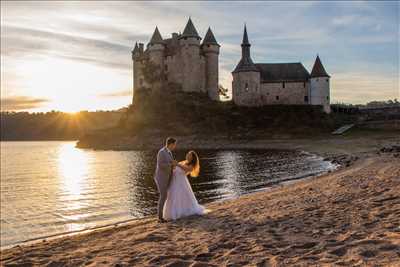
[174, 35]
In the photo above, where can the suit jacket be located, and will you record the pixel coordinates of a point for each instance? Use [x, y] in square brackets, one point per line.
[164, 166]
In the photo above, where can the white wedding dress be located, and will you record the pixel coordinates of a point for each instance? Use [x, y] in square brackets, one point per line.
[181, 201]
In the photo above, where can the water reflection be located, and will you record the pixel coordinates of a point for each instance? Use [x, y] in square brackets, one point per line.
[52, 187]
[228, 172]
[73, 168]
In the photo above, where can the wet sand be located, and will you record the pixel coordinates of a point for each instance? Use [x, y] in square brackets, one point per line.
[346, 218]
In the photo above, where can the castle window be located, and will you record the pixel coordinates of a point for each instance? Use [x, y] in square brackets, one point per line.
[327, 98]
[185, 38]
[306, 98]
[277, 97]
[166, 67]
[246, 87]
[141, 82]
[327, 80]
[283, 85]
[208, 45]
[304, 84]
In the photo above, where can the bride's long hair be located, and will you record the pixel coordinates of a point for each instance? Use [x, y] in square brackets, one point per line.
[195, 163]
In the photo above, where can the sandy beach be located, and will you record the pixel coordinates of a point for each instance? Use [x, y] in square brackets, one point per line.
[350, 217]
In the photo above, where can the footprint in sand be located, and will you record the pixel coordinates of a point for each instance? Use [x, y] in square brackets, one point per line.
[389, 247]
[368, 253]
[339, 251]
[307, 245]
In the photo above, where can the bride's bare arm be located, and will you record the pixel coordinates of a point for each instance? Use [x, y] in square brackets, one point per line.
[186, 168]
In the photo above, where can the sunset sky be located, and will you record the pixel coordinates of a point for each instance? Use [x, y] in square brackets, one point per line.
[74, 56]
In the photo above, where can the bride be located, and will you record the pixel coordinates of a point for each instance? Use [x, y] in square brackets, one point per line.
[181, 201]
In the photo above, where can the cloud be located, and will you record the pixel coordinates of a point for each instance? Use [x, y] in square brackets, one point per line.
[17, 103]
[18, 42]
[356, 37]
[122, 93]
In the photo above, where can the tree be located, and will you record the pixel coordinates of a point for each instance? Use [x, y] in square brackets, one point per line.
[223, 91]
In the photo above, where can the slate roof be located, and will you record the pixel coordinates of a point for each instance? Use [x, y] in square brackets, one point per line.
[190, 30]
[245, 63]
[318, 70]
[156, 38]
[282, 72]
[245, 40]
[210, 38]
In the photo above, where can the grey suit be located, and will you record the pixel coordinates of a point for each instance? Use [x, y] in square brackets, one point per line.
[162, 176]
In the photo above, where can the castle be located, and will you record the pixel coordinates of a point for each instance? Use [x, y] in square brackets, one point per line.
[258, 84]
[181, 60]
[185, 61]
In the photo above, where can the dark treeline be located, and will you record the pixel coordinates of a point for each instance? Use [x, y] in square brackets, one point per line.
[372, 104]
[55, 125]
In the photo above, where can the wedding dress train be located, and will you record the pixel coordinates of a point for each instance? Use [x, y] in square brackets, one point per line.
[181, 201]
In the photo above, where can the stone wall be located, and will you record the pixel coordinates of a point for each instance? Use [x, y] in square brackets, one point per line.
[191, 65]
[246, 88]
[320, 92]
[287, 93]
[194, 69]
[248, 91]
[211, 70]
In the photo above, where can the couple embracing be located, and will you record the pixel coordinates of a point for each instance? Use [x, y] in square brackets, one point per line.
[177, 199]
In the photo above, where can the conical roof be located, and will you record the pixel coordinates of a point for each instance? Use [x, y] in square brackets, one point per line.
[318, 70]
[190, 30]
[245, 63]
[245, 40]
[210, 38]
[156, 38]
[135, 49]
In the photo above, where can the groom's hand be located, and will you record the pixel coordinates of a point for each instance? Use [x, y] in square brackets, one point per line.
[174, 163]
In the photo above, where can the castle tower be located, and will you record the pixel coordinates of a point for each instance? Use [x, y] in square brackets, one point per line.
[136, 65]
[246, 76]
[189, 42]
[319, 88]
[156, 49]
[210, 48]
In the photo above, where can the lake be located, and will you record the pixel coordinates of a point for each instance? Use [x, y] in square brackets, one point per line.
[51, 188]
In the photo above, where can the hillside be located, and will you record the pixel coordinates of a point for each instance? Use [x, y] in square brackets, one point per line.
[153, 116]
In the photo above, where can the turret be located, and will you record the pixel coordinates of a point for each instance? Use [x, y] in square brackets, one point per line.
[135, 52]
[156, 49]
[319, 86]
[210, 48]
[246, 76]
[245, 63]
[189, 41]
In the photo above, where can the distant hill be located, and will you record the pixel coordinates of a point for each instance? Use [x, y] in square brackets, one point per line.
[54, 125]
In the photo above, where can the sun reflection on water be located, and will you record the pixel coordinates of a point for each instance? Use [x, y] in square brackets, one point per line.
[73, 167]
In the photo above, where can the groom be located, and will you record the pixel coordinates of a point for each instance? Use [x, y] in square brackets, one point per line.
[165, 165]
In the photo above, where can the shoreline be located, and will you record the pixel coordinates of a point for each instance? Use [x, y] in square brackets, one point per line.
[293, 180]
[288, 215]
[339, 218]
